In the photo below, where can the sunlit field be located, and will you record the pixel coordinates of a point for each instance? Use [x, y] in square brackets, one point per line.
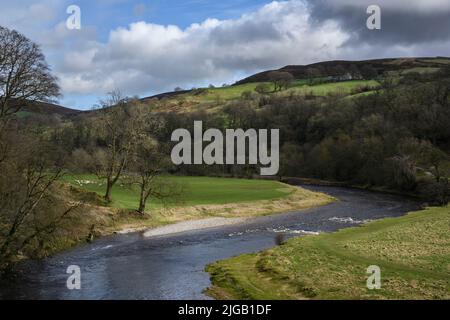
[196, 190]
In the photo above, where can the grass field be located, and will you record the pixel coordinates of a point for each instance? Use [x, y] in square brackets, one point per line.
[437, 60]
[328, 88]
[413, 253]
[214, 99]
[198, 190]
[298, 87]
[421, 70]
[230, 93]
[203, 198]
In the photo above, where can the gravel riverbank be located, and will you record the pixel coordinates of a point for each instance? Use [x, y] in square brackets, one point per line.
[193, 225]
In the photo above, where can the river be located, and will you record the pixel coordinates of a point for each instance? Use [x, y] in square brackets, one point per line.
[172, 267]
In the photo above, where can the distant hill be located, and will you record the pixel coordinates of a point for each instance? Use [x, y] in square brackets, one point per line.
[165, 95]
[327, 69]
[333, 68]
[45, 108]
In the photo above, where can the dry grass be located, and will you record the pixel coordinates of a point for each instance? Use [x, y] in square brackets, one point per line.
[296, 199]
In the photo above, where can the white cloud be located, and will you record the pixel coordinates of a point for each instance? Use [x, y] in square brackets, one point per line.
[148, 57]
[145, 58]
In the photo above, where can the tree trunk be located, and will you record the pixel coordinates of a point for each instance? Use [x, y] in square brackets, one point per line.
[142, 200]
[109, 186]
[141, 209]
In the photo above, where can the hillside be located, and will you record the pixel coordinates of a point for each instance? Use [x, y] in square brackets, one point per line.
[331, 68]
[45, 108]
[335, 77]
[345, 78]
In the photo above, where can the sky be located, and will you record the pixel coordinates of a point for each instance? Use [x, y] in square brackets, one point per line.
[143, 47]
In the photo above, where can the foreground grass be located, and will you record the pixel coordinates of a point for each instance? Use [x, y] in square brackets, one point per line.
[413, 253]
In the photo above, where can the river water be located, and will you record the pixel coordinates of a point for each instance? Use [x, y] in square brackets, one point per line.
[172, 267]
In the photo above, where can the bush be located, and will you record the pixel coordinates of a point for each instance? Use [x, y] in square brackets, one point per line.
[437, 193]
[199, 92]
[263, 88]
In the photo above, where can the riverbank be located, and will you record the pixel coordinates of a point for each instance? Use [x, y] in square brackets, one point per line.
[171, 267]
[94, 219]
[326, 183]
[207, 216]
[413, 253]
[194, 225]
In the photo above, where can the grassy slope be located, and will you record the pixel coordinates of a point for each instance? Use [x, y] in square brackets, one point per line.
[213, 98]
[413, 252]
[221, 95]
[345, 87]
[438, 60]
[421, 70]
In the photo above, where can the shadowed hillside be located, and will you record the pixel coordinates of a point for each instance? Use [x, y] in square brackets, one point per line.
[335, 68]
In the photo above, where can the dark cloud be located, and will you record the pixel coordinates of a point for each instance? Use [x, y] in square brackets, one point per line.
[400, 26]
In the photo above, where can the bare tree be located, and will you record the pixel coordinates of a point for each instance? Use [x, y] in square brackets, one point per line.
[149, 162]
[24, 77]
[24, 74]
[263, 88]
[118, 126]
[28, 168]
[148, 165]
[280, 79]
[26, 189]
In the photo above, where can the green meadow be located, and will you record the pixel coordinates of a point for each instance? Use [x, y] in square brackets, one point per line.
[345, 88]
[297, 87]
[196, 190]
